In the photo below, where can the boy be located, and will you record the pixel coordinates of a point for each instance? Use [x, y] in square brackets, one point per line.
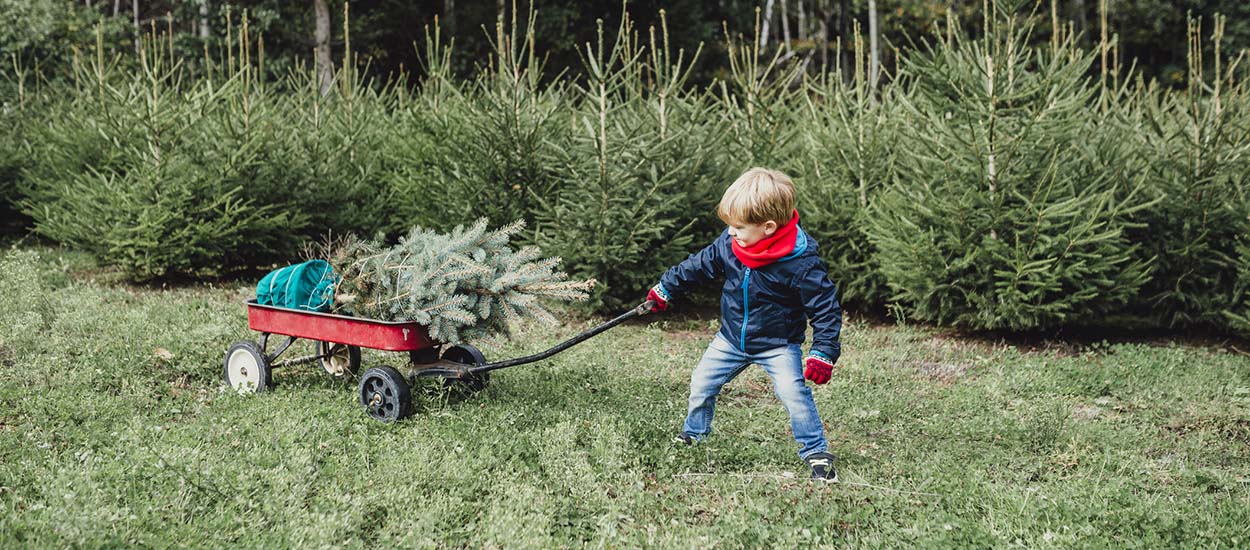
[773, 281]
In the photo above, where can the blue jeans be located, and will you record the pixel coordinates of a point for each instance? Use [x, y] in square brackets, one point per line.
[722, 362]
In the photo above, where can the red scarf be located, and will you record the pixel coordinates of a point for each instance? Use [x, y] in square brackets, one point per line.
[769, 249]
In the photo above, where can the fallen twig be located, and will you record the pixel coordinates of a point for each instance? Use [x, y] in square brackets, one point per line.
[899, 491]
[791, 477]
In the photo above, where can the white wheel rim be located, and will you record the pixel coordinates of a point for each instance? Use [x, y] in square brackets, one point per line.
[338, 361]
[244, 371]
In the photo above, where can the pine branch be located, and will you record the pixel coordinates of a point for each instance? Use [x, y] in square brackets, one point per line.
[468, 283]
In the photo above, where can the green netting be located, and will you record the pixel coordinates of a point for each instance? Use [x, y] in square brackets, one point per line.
[308, 286]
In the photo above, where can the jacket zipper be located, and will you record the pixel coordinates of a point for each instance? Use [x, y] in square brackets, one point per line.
[746, 281]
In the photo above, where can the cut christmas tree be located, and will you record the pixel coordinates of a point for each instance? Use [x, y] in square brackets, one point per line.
[467, 285]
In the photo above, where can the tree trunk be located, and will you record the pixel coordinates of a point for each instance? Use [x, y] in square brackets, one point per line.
[134, 12]
[117, 7]
[844, 31]
[768, 17]
[325, 63]
[802, 21]
[204, 29]
[824, 14]
[1082, 24]
[785, 26]
[874, 63]
[448, 22]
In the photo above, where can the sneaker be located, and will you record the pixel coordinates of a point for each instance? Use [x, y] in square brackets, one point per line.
[822, 467]
[684, 439]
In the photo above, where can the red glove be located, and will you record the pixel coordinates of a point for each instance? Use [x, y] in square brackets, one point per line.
[818, 368]
[659, 296]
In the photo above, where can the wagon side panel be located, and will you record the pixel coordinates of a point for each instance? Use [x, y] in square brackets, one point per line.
[339, 329]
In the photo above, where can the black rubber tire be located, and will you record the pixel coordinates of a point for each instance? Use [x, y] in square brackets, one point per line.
[245, 368]
[467, 355]
[385, 394]
[349, 356]
[423, 356]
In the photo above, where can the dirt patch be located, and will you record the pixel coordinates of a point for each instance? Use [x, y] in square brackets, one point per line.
[940, 371]
[689, 335]
[1072, 341]
[1236, 430]
[748, 388]
[951, 341]
[1229, 429]
[1084, 412]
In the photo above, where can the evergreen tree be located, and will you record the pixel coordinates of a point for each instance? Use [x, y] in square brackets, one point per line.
[424, 151]
[1239, 314]
[1197, 147]
[761, 102]
[331, 149]
[467, 285]
[158, 174]
[12, 160]
[849, 132]
[635, 177]
[503, 159]
[999, 218]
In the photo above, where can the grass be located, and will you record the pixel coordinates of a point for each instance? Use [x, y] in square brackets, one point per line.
[107, 440]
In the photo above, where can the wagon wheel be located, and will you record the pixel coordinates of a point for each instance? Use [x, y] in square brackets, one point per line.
[246, 369]
[339, 360]
[385, 394]
[467, 355]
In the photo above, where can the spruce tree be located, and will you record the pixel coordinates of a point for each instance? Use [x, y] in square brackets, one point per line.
[467, 285]
[160, 174]
[1196, 145]
[634, 179]
[329, 149]
[849, 133]
[999, 219]
[761, 101]
[428, 146]
[12, 160]
[1239, 313]
[502, 159]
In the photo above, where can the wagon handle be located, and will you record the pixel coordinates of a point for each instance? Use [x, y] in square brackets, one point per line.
[641, 309]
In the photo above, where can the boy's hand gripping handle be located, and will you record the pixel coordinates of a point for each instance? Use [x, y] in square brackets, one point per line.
[658, 298]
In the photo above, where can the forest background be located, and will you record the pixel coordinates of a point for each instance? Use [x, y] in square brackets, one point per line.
[384, 32]
[1010, 165]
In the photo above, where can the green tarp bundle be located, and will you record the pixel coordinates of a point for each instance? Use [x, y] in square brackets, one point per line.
[308, 286]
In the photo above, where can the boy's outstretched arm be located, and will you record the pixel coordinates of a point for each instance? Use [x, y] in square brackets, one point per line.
[820, 302]
[699, 268]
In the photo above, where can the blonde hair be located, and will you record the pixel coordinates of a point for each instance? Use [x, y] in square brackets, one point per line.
[757, 196]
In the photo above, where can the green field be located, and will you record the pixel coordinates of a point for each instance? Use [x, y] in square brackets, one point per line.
[115, 430]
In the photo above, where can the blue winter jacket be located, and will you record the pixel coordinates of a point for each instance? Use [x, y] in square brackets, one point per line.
[769, 307]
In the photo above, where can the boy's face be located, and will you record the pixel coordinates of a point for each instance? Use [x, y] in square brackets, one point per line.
[747, 234]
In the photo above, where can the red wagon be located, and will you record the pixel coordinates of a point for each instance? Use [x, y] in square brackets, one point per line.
[384, 391]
